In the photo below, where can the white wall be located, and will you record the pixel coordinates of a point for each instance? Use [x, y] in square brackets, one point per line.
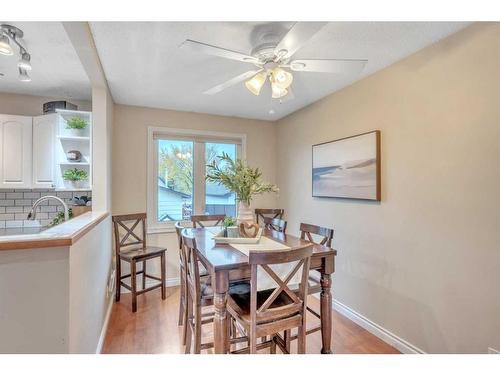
[424, 262]
[34, 301]
[130, 160]
[29, 105]
[89, 268]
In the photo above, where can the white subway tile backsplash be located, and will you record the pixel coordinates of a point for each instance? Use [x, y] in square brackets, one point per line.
[23, 202]
[13, 223]
[31, 195]
[13, 209]
[16, 203]
[13, 195]
[48, 208]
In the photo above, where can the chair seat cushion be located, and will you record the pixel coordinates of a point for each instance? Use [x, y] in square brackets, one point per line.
[236, 288]
[139, 252]
[239, 301]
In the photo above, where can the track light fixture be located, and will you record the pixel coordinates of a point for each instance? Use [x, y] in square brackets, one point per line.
[8, 34]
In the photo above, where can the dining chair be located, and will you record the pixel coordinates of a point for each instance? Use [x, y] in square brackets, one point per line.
[132, 248]
[266, 313]
[201, 220]
[274, 213]
[200, 294]
[204, 278]
[278, 225]
[325, 238]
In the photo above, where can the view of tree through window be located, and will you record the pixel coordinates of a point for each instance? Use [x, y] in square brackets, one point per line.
[175, 180]
[176, 183]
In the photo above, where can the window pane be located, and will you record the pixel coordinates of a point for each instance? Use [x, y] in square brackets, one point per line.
[175, 180]
[219, 200]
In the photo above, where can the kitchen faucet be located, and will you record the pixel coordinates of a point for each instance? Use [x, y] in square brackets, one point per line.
[32, 213]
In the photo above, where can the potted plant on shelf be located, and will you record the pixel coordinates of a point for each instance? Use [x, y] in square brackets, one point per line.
[245, 182]
[76, 126]
[75, 178]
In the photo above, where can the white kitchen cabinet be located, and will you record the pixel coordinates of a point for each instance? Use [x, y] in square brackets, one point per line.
[44, 160]
[15, 151]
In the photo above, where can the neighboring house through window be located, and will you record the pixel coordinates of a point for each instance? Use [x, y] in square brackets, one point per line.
[177, 189]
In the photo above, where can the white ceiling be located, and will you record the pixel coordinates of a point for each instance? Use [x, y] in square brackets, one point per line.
[57, 71]
[145, 67]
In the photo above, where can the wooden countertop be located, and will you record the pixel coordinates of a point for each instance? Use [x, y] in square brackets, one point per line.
[65, 234]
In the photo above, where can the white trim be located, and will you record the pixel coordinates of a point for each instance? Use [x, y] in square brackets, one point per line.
[168, 227]
[104, 329]
[385, 335]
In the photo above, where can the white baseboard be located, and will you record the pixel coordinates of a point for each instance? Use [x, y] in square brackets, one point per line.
[104, 329]
[385, 335]
[174, 281]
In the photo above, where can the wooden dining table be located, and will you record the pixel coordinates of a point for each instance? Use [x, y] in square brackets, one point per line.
[227, 265]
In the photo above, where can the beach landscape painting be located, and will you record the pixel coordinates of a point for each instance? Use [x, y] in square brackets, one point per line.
[347, 167]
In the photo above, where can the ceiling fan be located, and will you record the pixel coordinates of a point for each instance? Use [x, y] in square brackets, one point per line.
[274, 61]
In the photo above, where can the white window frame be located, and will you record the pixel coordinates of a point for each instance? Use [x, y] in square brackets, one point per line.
[154, 132]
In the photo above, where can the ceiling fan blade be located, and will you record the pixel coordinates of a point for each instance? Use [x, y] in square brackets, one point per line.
[217, 51]
[232, 82]
[329, 66]
[295, 39]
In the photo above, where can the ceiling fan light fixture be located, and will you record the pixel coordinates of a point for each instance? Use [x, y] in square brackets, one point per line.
[281, 78]
[24, 62]
[254, 84]
[278, 92]
[5, 48]
[23, 75]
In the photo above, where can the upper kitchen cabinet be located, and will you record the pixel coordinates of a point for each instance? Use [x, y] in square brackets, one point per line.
[15, 151]
[44, 148]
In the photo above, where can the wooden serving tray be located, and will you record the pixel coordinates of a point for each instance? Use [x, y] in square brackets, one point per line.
[218, 238]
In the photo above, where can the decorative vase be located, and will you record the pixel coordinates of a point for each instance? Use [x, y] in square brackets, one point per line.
[73, 185]
[245, 214]
[71, 132]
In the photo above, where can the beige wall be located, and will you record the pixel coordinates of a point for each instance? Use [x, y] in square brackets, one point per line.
[425, 262]
[130, 154]
[29, 105]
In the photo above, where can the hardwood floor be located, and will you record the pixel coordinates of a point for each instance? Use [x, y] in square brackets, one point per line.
[153, 329]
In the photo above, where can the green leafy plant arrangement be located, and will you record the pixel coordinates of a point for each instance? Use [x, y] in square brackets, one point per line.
[238, 177]
[60, 218]
[75, 174]
[76, 123]
[229, 222]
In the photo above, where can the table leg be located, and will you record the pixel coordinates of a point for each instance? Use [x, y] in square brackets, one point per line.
[326, 313]
[220, 318]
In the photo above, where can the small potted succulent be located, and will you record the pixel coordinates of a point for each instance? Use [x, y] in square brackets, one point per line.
[76, 126]
[230, 228]
[75, 178]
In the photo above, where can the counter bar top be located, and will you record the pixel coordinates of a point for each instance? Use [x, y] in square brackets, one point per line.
[65, 234]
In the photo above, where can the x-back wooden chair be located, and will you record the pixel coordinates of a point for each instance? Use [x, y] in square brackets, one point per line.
[273, 213]
[204, 278]
[268, 312]
[201, 220]
[132, 248]
[278, 225]
[325, 238]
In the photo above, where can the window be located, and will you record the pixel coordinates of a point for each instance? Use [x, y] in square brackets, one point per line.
[177, 187]
[219, 200]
